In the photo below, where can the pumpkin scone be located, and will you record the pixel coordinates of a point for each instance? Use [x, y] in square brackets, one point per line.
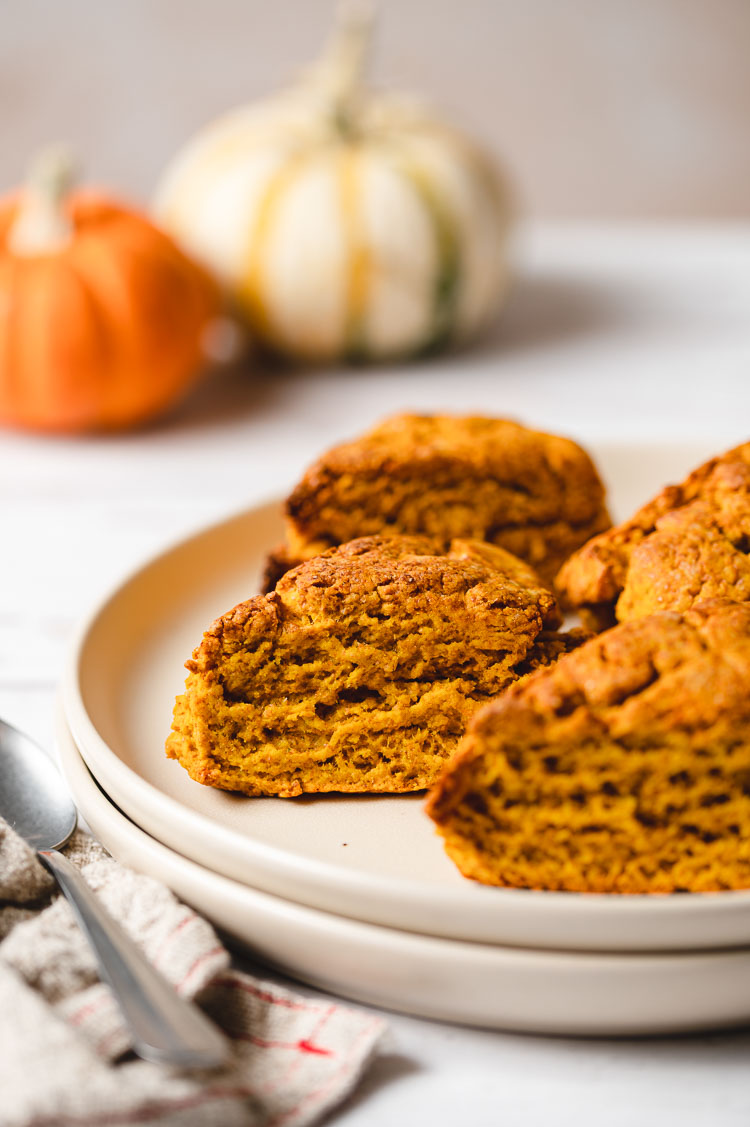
[360, 671]
[625, 767]
[689, 543]
[537, 495]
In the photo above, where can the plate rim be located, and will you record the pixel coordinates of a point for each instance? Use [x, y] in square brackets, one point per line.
[509, 960]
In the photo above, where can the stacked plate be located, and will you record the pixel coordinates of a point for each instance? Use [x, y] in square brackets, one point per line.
[355, 894]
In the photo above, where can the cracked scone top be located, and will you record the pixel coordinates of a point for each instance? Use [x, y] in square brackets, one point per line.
[359, 672]
[536, 495]
[691, 542]
[623, 768]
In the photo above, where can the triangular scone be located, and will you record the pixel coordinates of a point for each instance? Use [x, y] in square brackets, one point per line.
[698, 552]
[650, 559]
[360, 671]
[536, 495]
[625, 767]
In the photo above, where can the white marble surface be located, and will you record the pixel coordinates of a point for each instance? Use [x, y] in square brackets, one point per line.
[629, 333]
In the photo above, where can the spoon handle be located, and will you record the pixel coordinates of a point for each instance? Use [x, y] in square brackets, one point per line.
[165, 1027]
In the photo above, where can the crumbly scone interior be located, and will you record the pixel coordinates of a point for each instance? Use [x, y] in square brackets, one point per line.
[624, 768]
[360, 671]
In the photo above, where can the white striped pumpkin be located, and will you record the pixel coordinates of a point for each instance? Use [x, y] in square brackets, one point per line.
[343, 225]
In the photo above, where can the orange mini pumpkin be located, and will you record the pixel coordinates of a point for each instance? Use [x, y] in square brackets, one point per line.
[102, 317]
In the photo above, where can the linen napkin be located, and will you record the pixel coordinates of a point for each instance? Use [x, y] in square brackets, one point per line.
[64, 1048]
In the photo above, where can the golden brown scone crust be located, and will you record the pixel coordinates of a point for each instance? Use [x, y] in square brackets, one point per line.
[278, 563]
[625, 767]
[684, 545]
[360, 671]
[537, 495]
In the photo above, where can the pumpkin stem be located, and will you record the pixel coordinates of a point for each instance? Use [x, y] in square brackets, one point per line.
[339, 73]
[41, 225]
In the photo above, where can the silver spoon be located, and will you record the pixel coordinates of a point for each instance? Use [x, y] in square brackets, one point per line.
[165, 1027]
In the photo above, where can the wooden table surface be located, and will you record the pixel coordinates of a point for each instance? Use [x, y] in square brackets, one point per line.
[632, 333]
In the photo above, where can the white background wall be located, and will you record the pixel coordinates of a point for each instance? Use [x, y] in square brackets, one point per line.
[600, 107]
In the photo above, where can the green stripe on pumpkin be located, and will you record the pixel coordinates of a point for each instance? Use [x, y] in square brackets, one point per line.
[447, 282]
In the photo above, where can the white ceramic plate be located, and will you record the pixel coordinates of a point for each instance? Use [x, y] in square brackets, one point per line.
[469, 983]
[374, 858]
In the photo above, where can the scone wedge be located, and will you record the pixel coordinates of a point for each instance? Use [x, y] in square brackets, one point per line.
[361, 670]
[690, 543]
[625, 767]
[537, 495]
